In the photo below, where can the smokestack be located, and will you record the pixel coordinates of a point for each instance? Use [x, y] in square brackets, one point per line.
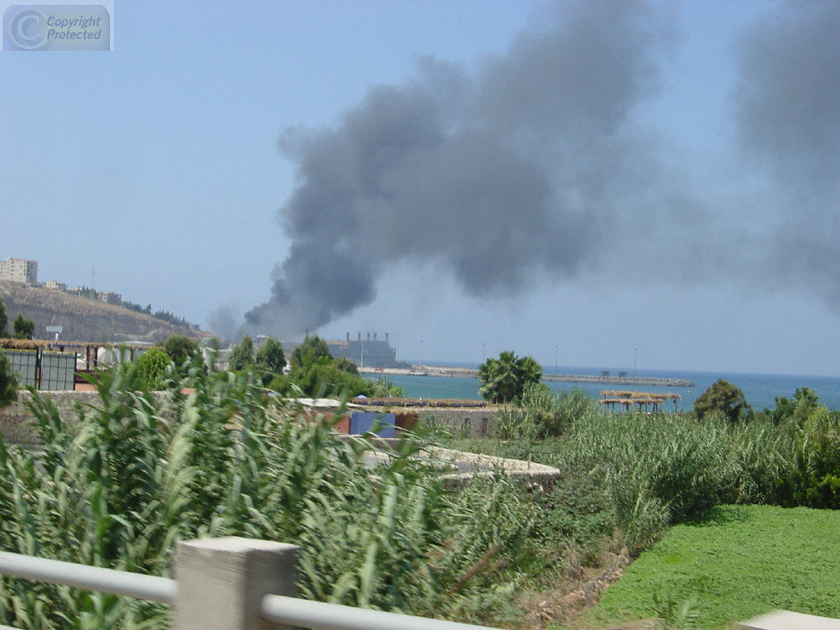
[374, 336]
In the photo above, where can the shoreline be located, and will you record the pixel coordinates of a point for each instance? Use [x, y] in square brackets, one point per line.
[460, 372]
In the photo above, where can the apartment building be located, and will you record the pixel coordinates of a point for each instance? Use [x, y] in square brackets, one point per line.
[19, 270]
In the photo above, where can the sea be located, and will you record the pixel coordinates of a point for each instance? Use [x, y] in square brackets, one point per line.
[760, 390]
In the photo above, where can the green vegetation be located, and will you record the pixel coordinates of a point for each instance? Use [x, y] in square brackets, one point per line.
[148, 469]
[543, 414]
[738, 562]
[8, 383]
[629, 477]
[151, 368]
[242, 354]
[4, 320]
[315, 372]
[169, 318]
[722, 399]
[145, 470]
[384, 387]
[23, 328]
[271, 360]
[182, 350]
[504, 380]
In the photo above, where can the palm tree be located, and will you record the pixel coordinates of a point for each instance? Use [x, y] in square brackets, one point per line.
[504, 379]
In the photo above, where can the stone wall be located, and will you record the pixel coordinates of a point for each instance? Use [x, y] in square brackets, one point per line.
[16, 421]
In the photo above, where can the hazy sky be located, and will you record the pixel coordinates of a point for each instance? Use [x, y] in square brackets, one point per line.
[595, 183]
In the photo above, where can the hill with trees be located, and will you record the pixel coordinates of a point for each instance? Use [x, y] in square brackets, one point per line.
[85, 319]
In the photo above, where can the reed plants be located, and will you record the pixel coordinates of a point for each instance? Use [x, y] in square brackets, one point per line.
[146, 469]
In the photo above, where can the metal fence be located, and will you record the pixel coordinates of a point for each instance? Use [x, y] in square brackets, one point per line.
[41, 369]
[223, 584]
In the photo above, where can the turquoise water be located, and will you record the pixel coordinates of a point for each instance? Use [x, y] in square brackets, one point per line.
[760, 390]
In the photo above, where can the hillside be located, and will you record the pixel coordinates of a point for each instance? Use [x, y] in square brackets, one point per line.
[84, 319]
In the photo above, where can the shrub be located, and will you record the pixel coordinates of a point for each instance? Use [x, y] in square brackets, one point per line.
[181, 349]
[151, 368]
[8, 383]
[659, 468]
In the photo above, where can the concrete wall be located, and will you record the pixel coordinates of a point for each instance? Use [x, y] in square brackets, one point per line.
[472, 422]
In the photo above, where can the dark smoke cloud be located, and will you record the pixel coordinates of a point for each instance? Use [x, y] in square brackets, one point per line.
[788, 100]
[531, 165]
[493, 174]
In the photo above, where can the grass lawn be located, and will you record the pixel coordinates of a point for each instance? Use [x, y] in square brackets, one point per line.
[740, 562]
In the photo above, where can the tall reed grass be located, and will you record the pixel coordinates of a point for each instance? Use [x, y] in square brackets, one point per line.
[148, 469]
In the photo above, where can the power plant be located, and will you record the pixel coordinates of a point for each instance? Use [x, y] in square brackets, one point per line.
[367, 352]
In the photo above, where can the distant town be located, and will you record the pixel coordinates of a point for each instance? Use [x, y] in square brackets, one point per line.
[26, 272]
[368, 351]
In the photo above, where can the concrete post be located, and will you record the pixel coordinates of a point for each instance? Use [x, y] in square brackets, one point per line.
[221, 582]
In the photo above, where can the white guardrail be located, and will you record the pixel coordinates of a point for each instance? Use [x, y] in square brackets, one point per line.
[223, 584]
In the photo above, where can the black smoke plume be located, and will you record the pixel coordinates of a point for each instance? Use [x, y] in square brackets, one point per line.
[531, 165]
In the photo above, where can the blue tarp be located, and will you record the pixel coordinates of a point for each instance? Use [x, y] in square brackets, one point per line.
[362, 422]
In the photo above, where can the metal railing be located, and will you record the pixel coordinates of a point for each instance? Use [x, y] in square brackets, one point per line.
[279, 609]
[308, 614]
[137, 585]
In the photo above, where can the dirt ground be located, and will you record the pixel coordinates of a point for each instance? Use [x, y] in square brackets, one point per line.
[580, 592]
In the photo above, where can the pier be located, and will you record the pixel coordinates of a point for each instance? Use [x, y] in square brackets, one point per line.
[621, 379]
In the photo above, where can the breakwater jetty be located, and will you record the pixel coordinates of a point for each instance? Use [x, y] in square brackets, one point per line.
[621, 379]
[643, 381]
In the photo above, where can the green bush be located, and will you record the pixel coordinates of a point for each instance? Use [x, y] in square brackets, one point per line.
[8, 383]
[151, 368]
[543, 414]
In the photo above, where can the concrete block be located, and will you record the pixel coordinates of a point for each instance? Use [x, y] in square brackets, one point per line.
[786, 620]
[221, 581]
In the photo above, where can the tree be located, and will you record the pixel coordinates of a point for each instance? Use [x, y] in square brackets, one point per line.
[8, 384]
[317, 373]
[722, 399]
[181, 349]
[270, 359]
[504, 379]
[242, 354]
[151, 366]
[4, 319]
[24, 328]
[804, 404]
[309, 351]
[346, 365]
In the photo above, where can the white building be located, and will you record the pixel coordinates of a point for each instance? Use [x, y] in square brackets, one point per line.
[19, 270]
[55, 285]
[109, 297]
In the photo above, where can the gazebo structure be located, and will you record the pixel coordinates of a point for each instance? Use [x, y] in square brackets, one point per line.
[647, 400]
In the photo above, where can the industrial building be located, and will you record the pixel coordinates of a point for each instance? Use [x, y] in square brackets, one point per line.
[367, 352]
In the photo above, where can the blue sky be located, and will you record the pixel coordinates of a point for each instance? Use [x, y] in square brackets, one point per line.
[157, 165]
